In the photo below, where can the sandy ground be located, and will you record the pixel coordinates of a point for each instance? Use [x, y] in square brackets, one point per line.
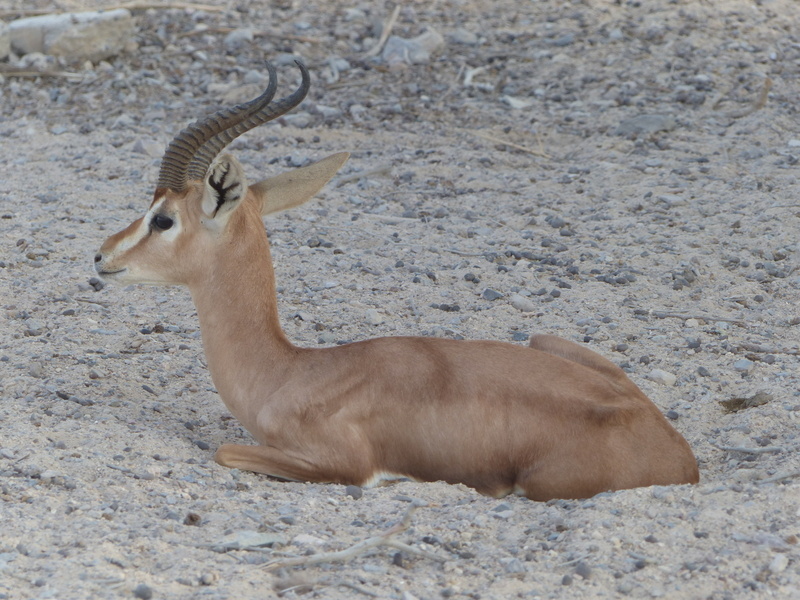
[616, 165]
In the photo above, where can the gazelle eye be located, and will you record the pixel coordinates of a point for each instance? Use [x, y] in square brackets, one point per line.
[161, 222]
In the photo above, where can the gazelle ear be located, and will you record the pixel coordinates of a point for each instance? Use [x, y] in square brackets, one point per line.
[225, 187]
[292, 188]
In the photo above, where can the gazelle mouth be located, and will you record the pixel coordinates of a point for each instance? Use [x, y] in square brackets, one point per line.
[110, 273]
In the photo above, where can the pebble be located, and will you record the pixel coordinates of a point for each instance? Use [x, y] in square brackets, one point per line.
[148, 147]
[779, 563]
[521, 303]
[238, 38]
[645, 124]
[36, 369]
[354, 492]
[583, 570]
[209, 578]
[463, 36]
[662, 377]
[143, 592]
[491, 294]
[327, 337]
[373, 317]
[743, 365]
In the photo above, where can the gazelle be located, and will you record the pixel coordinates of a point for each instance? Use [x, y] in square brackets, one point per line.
[552, 420]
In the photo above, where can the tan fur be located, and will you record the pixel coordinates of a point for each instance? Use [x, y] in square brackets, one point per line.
[553, 420]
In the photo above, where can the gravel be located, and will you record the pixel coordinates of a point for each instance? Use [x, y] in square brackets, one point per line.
[673, 185]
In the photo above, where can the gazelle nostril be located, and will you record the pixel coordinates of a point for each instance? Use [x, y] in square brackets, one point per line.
[98, 257]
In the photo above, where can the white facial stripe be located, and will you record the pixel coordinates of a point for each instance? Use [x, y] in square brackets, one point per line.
[131, 240]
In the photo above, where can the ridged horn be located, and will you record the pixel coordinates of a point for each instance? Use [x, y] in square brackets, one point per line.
[189, 155]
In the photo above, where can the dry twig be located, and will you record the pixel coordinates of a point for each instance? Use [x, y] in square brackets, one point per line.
[387, 30]
[267, 34]
[497, 140]
[379, 170]
[746, 450]
[14, 72]
[384, 539]
[776, 478]
[658, 314]
[167, 5]
[767, 350]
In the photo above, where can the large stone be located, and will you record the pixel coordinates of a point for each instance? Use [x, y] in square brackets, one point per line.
[416, 51]
[76, 36]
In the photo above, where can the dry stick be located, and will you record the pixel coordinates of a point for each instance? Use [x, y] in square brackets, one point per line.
[89, 301]
[776, 478]
[498, 140]
[159, 5]
[11, 72]
[387, 30]
[766, 350]
[760, 102]
[745, 450]
[379, 170]
[384, 539]
[284, 36]
[668, 315]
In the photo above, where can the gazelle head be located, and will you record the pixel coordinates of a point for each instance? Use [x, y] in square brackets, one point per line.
[198, 195]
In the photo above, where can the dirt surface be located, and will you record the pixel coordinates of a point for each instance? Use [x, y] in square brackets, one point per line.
[620, 174]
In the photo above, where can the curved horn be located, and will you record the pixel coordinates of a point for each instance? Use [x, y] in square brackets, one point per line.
[188, 156]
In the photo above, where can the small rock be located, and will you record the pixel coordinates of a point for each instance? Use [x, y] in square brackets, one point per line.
[36, 369]
[143, 591]
[463, 36]
[743, 365]
[514, 566]
[48, 476]
[373, 317]
[354, 492]
[626, 587]
[583, 570]
[148, 147]
[521, 303]
[305, 539]
[645, 124]
[779, 563]
[327, 337]
[737, 404]
[516, 103]
[490, 294]
[238, 38]
[662, 377]
[209, 578]
[34, 327]
[297, 160]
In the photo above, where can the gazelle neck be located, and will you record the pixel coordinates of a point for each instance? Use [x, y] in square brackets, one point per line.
[246, 348]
